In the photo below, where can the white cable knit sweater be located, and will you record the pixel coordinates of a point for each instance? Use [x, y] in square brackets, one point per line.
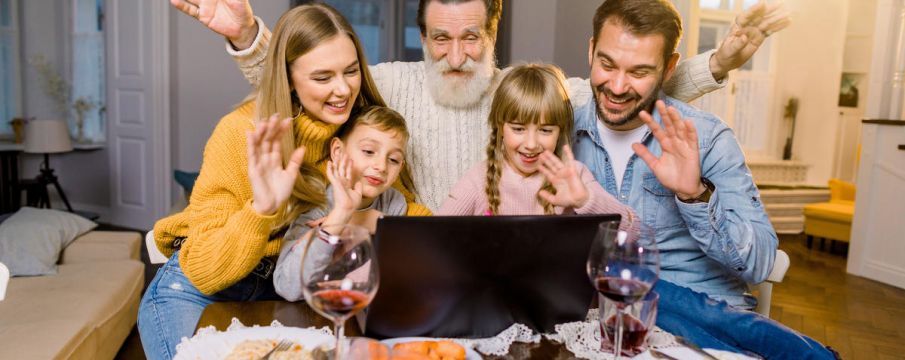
[445, 142]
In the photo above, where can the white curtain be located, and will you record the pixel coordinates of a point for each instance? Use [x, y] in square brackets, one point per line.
[9, 66]
[88, 81]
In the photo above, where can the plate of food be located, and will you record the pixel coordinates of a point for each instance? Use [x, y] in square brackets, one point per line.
[252, 343]
[431, 348]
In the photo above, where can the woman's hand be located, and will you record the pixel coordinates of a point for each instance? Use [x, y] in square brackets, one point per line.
[271, 183]
[563, 175]
[230, 18]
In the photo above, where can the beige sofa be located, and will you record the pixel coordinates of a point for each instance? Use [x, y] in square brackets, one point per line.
[85, 311]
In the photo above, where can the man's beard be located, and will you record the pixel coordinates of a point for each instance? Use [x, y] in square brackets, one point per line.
[459, 91]
[645, 104]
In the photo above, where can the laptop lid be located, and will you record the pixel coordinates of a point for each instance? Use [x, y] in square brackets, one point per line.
[474, 276]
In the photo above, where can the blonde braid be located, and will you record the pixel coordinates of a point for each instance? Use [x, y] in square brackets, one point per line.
[494, 170]
[548, 207]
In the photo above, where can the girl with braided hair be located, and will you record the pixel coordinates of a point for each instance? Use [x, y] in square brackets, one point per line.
[530, 168]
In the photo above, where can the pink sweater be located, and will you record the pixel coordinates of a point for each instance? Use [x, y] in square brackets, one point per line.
[518, 195]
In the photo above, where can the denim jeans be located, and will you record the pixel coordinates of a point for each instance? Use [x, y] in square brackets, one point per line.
[717, 325]
[171, 306]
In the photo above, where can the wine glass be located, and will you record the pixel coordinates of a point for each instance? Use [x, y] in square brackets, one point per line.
[623, 267]
[339, 274]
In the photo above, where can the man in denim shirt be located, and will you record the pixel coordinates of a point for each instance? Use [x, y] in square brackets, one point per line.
[691, 184]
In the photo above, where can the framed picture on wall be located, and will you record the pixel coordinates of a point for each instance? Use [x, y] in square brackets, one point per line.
[848, 90]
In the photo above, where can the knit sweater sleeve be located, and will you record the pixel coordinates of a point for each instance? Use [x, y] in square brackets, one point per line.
[287, 277]
[226, 237]
[466, 197]
[692, 79]
[602, 202]
[251, 60]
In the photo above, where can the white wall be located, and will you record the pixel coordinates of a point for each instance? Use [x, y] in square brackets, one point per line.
[533, 33]
[553, 31]
[206, 83]
[809, 66]
[573, 30]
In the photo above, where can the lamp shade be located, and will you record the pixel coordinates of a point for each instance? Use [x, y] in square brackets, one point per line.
[47, 136]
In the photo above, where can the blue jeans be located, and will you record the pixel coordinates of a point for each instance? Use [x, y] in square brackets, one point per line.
[171, 306]
[717, 325]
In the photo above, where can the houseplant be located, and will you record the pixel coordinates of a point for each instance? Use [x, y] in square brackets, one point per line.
[58, 89]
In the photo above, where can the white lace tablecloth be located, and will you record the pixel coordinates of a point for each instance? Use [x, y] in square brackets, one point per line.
[582, 338]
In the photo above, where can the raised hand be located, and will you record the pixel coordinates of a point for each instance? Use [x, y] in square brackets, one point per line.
[271, 183]
[346, 190]
[230, 18]
[563, 175]
[749, 31]
[679, 166]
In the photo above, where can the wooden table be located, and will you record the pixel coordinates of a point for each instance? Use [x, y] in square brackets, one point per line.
[298, 314]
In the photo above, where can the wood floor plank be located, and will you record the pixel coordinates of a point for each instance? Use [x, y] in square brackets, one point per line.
[859, 318]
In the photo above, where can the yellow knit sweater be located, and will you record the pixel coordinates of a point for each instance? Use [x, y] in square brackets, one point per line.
[225, 237]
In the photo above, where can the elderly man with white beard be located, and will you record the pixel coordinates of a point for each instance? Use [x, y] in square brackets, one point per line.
[446, 98]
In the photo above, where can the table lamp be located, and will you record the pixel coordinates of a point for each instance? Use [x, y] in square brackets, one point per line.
[48, 137]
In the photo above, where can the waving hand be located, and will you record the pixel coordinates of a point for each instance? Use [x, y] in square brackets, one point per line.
[679, 166]
[271, 183]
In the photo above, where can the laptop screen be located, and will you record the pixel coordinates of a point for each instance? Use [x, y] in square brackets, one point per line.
[474, 276]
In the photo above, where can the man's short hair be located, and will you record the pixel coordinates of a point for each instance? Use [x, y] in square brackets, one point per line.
[643, 17]
[494, 12]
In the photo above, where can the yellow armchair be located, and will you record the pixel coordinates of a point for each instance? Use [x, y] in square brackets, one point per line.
[832, 220]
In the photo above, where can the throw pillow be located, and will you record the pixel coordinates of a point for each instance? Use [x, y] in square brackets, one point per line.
[186, 180]
[31, 240]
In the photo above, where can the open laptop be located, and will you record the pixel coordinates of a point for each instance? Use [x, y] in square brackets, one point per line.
[474, 276]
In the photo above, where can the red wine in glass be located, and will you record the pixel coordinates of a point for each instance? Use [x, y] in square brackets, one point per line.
[623, 266]
[625, 291]
[633, 331]
[339, 303]
[339, 274]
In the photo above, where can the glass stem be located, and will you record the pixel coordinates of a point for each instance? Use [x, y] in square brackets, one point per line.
[338, 330]
[618, 350]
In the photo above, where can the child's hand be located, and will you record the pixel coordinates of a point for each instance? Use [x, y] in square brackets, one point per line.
[271, 184]
[563, 175]
[346, 191]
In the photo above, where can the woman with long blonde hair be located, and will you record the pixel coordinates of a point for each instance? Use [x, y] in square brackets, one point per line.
[257, 175]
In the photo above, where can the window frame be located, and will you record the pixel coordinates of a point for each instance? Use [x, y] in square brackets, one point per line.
[768, 148]
[14, 30]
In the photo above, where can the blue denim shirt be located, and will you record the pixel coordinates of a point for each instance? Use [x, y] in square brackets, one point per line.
[714, 248]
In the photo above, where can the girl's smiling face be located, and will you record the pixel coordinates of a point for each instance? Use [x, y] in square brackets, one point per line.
[377, 158]
[523, 144]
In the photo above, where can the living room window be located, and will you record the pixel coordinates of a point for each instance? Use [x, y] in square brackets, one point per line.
[88, 74]
[10, 77]
[746, 102]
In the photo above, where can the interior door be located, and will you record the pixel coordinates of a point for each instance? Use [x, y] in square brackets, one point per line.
[138, 109]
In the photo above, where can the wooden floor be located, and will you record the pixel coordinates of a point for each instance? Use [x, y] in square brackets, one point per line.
[860, 318]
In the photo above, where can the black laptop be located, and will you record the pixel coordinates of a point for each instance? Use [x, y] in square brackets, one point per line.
[474, 276]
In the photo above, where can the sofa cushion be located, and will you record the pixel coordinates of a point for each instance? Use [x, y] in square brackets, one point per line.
[48, 339]
[101, 297]
[186, 180]
[103, 246]
[834, 211]
[31, 239]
